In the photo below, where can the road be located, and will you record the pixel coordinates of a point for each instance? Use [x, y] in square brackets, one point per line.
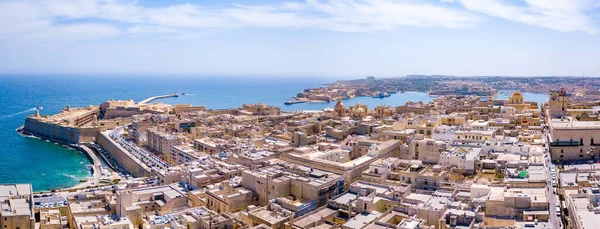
[552, 196]
[149, 159]
[96, 168]
[50, 200]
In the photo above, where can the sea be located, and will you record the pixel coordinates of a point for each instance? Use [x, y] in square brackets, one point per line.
[47, 166]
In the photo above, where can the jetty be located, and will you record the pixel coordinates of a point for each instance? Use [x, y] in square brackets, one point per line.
[157, 97]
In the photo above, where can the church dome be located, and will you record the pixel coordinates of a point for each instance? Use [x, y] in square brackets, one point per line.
[339, 103]
[516, 97]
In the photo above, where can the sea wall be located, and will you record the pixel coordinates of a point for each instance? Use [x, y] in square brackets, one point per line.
[50, 131]
[123, 157]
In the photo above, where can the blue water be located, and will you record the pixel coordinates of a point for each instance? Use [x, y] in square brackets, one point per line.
[47, 166]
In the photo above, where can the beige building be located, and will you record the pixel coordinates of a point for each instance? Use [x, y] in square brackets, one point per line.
[339, 109]
[181, 154]
[314, 185]
[517, 101]
[272, 216]
[16, 206]
[102, 222]
[426, 150]
[522, 203]
[261, 109]
[200, 218]
[225, 198]
[51, 219]
[352, 169]
[179, 109]
[205, 145]
[570, 138]
[161, 142]
[134, 203]
[558, 104]
[358, 110]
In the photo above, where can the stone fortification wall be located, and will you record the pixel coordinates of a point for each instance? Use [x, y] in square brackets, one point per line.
[123, 157]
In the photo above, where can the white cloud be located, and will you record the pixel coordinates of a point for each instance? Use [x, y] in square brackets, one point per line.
[561, 15]
[88, 31]
[335, 15]
[126, 17]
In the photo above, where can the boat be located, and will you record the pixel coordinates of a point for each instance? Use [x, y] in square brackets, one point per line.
[183, 93]
[381, 95]
[291, 102]
[40, 107]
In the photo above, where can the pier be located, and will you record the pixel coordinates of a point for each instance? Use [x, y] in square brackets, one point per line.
[157, 97]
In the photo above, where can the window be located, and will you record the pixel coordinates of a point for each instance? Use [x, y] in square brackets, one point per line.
[581, 141]
[591, 141]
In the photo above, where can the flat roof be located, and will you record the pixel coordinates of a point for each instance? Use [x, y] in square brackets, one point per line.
[571, 123]
[15, 189]
[587, 218]
[361, 220]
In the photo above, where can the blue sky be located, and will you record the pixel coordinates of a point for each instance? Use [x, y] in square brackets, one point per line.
[330, 38]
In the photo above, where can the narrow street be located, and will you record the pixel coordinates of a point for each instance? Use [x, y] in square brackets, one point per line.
[552, 194]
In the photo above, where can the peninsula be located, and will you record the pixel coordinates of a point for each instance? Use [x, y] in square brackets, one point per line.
[485, 86]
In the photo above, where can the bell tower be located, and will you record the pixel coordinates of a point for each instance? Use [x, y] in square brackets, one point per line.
[558, 103]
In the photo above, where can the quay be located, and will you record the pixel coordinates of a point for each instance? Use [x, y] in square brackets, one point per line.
[96, 163]
[158, 97]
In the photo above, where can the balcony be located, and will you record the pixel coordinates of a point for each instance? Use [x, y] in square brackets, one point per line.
[564, 143]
